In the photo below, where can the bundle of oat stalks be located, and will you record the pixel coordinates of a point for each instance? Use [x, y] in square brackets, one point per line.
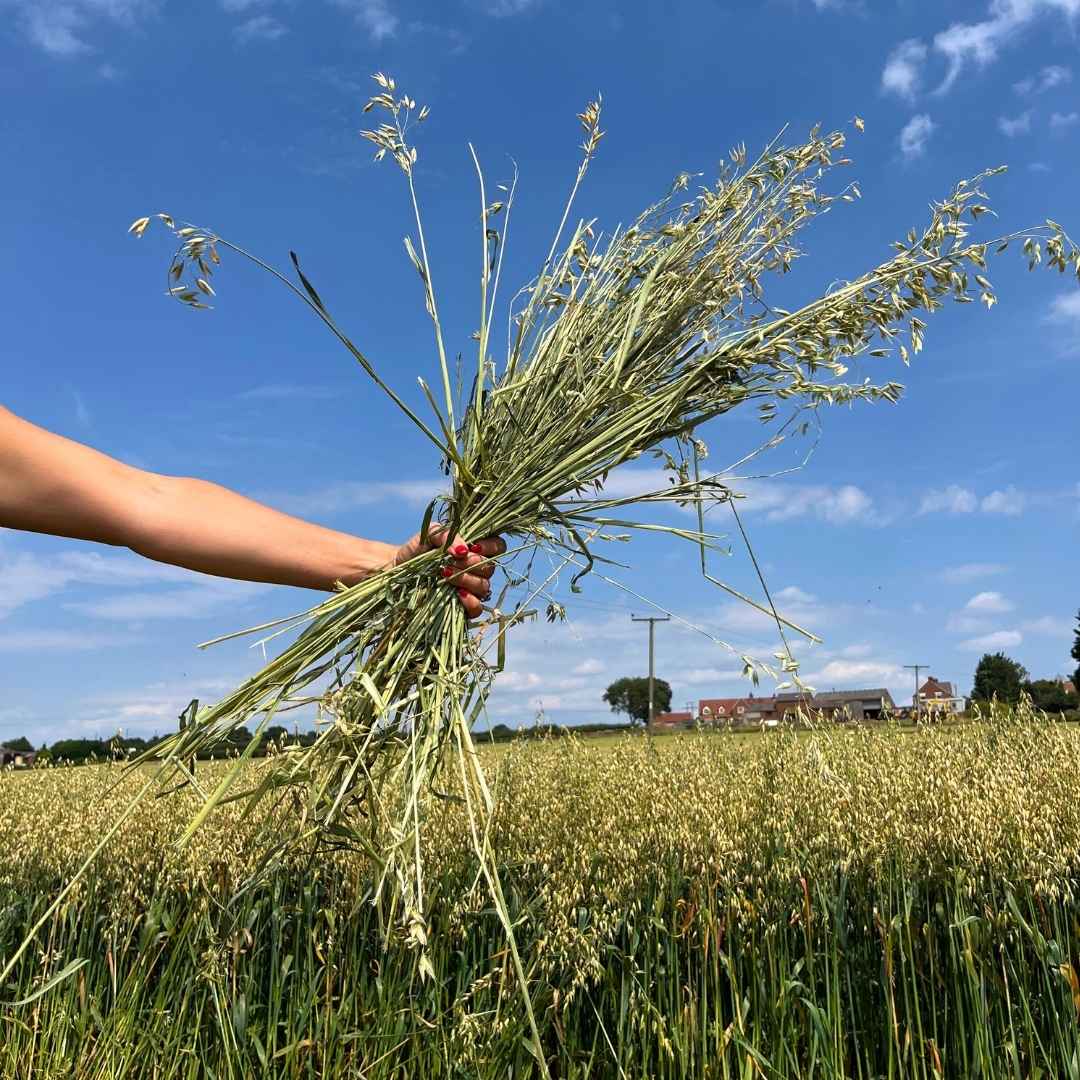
[625, 343]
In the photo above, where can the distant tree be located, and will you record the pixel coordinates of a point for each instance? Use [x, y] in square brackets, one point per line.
[123, 745]
[276, 734]
[79, 750]
[996, 674]
[1076, 653]
[631, 696]
[1049, 695]
[21, 743]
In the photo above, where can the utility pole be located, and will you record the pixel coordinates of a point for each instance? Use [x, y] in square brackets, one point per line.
[652, 621]
[917, 668]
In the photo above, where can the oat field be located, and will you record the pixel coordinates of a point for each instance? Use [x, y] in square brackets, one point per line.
[852, 903]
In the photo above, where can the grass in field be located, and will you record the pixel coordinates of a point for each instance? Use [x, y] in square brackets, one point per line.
[845, 903]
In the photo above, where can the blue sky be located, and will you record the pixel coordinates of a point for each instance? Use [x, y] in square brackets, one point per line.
[924, 532]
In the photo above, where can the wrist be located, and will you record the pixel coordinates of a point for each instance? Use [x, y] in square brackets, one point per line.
[364, 559]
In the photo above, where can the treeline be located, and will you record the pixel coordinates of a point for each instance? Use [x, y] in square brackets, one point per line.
[999, 676]
[118, 748]
[121, 748]
[504, 733]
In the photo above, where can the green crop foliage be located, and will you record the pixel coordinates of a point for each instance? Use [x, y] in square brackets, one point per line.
[844, 902]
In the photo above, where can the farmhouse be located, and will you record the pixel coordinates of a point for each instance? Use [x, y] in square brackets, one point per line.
[937, 697]
[743, 710]
[16, 758]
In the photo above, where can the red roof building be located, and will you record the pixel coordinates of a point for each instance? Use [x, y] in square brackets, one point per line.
[743, 710]
[669, 721]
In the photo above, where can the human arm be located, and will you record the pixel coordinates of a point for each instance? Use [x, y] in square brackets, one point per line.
[50, 484]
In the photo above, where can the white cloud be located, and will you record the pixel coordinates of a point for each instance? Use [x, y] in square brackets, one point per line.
[238, 7]
[56, 28]
[855, 673]
[1010, 502]
[1054, 75]
[999, 639]
[259, 28]
[520, 680]
[506, 8]
[453, 40]
[59, 27]
[951, 500]
[374, 16]
[734, 617]
[151, 708]
[979, 43]
[1038, 166]
[915, 135]
[705, 676]
[792, 594]
[902, 72]
[968, 572]
[216, 597]
[1050, 77]
[625, 483]
[1066, 307]
[843, 505]
[855, 651]
[26, 577]
[988, 603]
[1049, 626]
[1059, 122]
[350, 495]
[1017, 125]
[839, 505]
[592, 666]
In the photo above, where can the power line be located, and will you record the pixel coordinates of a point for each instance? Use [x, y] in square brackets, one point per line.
[652, 620]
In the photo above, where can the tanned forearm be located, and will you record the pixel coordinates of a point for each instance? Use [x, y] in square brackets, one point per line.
[49, 484]
[205, 527]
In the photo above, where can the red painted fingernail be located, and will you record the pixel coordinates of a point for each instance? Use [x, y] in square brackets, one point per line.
[460, 550]
[475, 549]
[463, 594]
[446, 571]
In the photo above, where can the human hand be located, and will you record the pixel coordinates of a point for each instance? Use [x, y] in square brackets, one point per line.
[468, 569]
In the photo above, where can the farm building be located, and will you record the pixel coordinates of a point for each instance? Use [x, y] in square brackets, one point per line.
[870, 704]
[18, 759]
[757, 712]
[937, 697]
[672, 721]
